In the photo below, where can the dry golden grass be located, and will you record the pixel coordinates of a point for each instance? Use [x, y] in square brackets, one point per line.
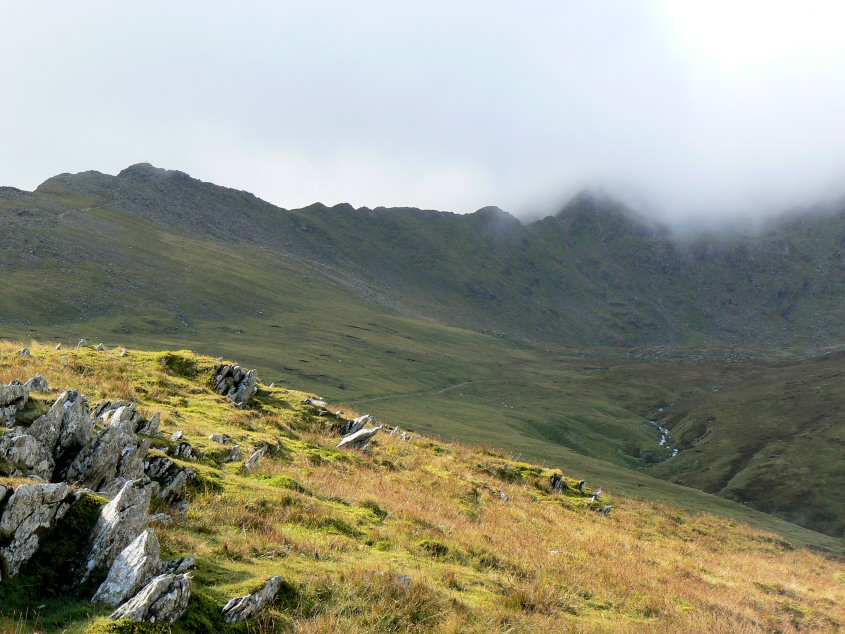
[342, 526]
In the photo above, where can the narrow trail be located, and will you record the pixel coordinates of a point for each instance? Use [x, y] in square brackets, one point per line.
[81, 209]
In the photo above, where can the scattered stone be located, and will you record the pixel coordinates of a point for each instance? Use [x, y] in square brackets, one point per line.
[149, 427]
[235, 383]
[28, 518]
[177, 436]
[581, 485]
[242, 608]
[234, 455]
[183, 564]
[100, 347]
[556, 480]
[162, 600]
[504, 496]
[164, 361]
[81, 344]
[183, 450]
[123, 352]
[605, 510]
[252, 463]
[162, 519]
[359, 440]
[406, 436]
[314, 402]
[136, 564]
[58, 346]
[222, 439]
[357, 424]
[24, 353]
[597, 493]
[37, 384]
[120, 522]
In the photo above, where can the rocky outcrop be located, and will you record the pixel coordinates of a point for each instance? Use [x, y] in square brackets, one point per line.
[66, 428]
[235, 383]
[247, 607]
[133, 568]
[23, 455]
[120, 522]
[28, 518]
[149, 427]
[162, 600]
[112, 412]
[172, 480]
[359, 440]
[114, 456]
[13, 398]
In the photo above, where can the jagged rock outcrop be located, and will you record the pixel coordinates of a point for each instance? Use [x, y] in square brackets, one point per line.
[133, 568]
[359, 440]
[112, 412]
[172, 480]
[149, 427]
[24, 455]
[24, 353]
[246, 607]
[235, 383]
[183, 449]
[162, 600]
[235, 454]
[28, 518]
[346, 427]
[114, 456]
[13, 398]
[120, 522]
[66, 428]
[556, 482]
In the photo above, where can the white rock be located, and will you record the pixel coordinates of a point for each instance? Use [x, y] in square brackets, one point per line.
[246, 607]
[162, 600]
[136, 564]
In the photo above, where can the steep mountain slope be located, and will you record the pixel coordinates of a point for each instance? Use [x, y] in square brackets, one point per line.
[360, 306]
[410, 535]
[595, 274]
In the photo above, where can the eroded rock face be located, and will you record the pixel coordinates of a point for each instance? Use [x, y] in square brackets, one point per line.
[136, 564]
[235, 383]
[162, 600]
[243, 608]
[172, 480]
[28, 517]
[13, 398]
[120, 522]
[149, 427]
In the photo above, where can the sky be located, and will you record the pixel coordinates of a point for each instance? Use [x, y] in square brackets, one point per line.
[684, 109]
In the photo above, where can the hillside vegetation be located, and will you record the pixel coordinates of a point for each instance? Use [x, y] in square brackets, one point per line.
[471, 327]
[486, 543]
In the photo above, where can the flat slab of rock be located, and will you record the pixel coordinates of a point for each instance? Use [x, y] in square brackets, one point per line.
[247, 607]
[162, 600]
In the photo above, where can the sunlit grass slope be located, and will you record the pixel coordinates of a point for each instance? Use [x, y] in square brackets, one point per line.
[486, 543]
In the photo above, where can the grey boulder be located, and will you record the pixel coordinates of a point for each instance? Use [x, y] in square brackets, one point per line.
[163, 600]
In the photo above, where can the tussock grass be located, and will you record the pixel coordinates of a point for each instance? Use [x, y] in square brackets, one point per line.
[341, 527]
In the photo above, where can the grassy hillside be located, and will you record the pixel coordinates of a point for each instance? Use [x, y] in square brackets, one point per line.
[342, 526]
[346, 303]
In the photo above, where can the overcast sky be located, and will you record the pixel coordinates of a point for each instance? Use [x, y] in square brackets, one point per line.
[703, 108]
